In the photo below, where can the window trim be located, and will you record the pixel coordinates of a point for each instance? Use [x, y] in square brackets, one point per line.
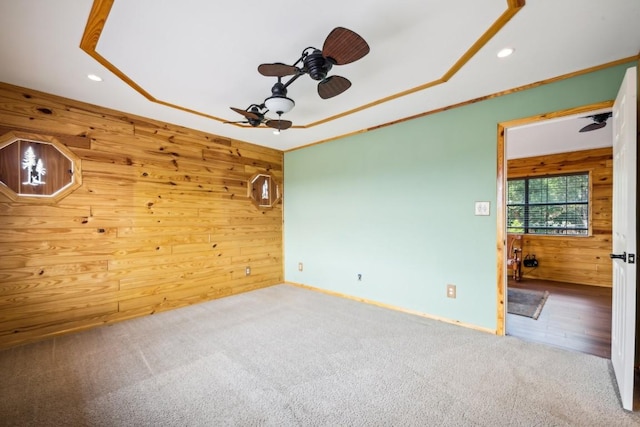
[589, 174]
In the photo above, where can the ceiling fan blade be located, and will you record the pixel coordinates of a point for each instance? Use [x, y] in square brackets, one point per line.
[279, 124]
[593, 126]
[344, 46]
[241, 122]
[247, 114]
[332, 86]
[277, 70]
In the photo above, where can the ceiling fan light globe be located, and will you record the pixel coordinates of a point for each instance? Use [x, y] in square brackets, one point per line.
[279, 104]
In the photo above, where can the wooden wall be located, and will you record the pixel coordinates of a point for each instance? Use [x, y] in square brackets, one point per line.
[162, 220]
[583, 260]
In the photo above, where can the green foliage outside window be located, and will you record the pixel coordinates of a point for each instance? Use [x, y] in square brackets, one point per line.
[556, 205]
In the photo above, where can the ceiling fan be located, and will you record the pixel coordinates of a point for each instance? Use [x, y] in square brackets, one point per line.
[342, 46]
[255, 116]
[599, 121]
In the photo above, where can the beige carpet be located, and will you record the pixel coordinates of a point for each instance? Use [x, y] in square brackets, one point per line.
[285, 356]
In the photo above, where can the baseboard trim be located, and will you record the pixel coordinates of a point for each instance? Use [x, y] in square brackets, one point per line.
[395, 308]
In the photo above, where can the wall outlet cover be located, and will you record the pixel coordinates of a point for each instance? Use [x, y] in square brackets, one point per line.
[451, 291]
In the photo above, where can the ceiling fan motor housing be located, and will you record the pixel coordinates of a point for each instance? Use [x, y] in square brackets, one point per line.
[599, 118]
[254, 122]
[317, 65]
[279, 89]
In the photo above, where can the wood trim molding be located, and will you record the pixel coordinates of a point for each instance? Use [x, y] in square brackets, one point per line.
[393, 307]
[501, 197]
[90, 38]
[100, 12]
[501, 238]
[513, 7]
[101, 9]
[483, 98]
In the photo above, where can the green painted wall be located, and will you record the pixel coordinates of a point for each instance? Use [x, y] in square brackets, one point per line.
[396, 205]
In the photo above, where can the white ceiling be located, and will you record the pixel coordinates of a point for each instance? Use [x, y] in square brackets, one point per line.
[559, 135]
[202, 56]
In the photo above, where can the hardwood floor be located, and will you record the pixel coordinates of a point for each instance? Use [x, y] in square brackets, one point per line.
[575, 317]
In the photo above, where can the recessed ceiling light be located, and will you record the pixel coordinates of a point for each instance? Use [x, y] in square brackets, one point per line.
[94, 77]
[505, 52]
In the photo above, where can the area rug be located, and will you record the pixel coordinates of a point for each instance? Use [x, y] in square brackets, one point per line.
[525, 302]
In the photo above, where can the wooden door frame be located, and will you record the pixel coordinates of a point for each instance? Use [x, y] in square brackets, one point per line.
[501, 234]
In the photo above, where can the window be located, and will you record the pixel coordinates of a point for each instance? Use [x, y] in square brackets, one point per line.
[556, 205]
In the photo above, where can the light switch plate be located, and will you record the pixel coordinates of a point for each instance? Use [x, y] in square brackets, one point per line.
[483, 208]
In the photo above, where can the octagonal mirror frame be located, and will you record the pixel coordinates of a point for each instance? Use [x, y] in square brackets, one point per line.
[28, 168]
[264, 190]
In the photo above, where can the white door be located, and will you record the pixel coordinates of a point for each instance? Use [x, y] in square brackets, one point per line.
[623, 324]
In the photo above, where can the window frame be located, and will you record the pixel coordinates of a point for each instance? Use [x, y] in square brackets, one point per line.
[525, 228]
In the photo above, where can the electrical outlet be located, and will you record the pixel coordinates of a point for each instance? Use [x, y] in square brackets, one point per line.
[451, 291]
[247, 271]
[299, 266]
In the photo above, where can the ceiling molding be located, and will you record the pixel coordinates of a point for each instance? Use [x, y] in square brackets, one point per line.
[95, 24]
[512, 123]
[101, 9]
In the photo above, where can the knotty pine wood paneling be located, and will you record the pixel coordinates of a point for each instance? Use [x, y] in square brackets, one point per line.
[583, 260]
[162, 220]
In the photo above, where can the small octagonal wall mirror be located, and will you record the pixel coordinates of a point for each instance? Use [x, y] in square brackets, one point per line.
[37, 168]
[264, 191]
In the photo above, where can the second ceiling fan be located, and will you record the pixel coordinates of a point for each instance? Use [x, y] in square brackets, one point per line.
[599, 121]
[255, 116]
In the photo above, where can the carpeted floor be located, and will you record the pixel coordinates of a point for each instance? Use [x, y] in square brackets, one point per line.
[285, 356]
[526, 302]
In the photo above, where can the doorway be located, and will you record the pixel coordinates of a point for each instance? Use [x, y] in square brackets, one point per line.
[565, 296]
[574, 317]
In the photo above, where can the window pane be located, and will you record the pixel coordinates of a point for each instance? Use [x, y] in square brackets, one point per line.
[557, 189]
[577, 216]
[549, 205]
[515, 191]
[537, 216]
[515, 219]
[578, 188]
[537, 190]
